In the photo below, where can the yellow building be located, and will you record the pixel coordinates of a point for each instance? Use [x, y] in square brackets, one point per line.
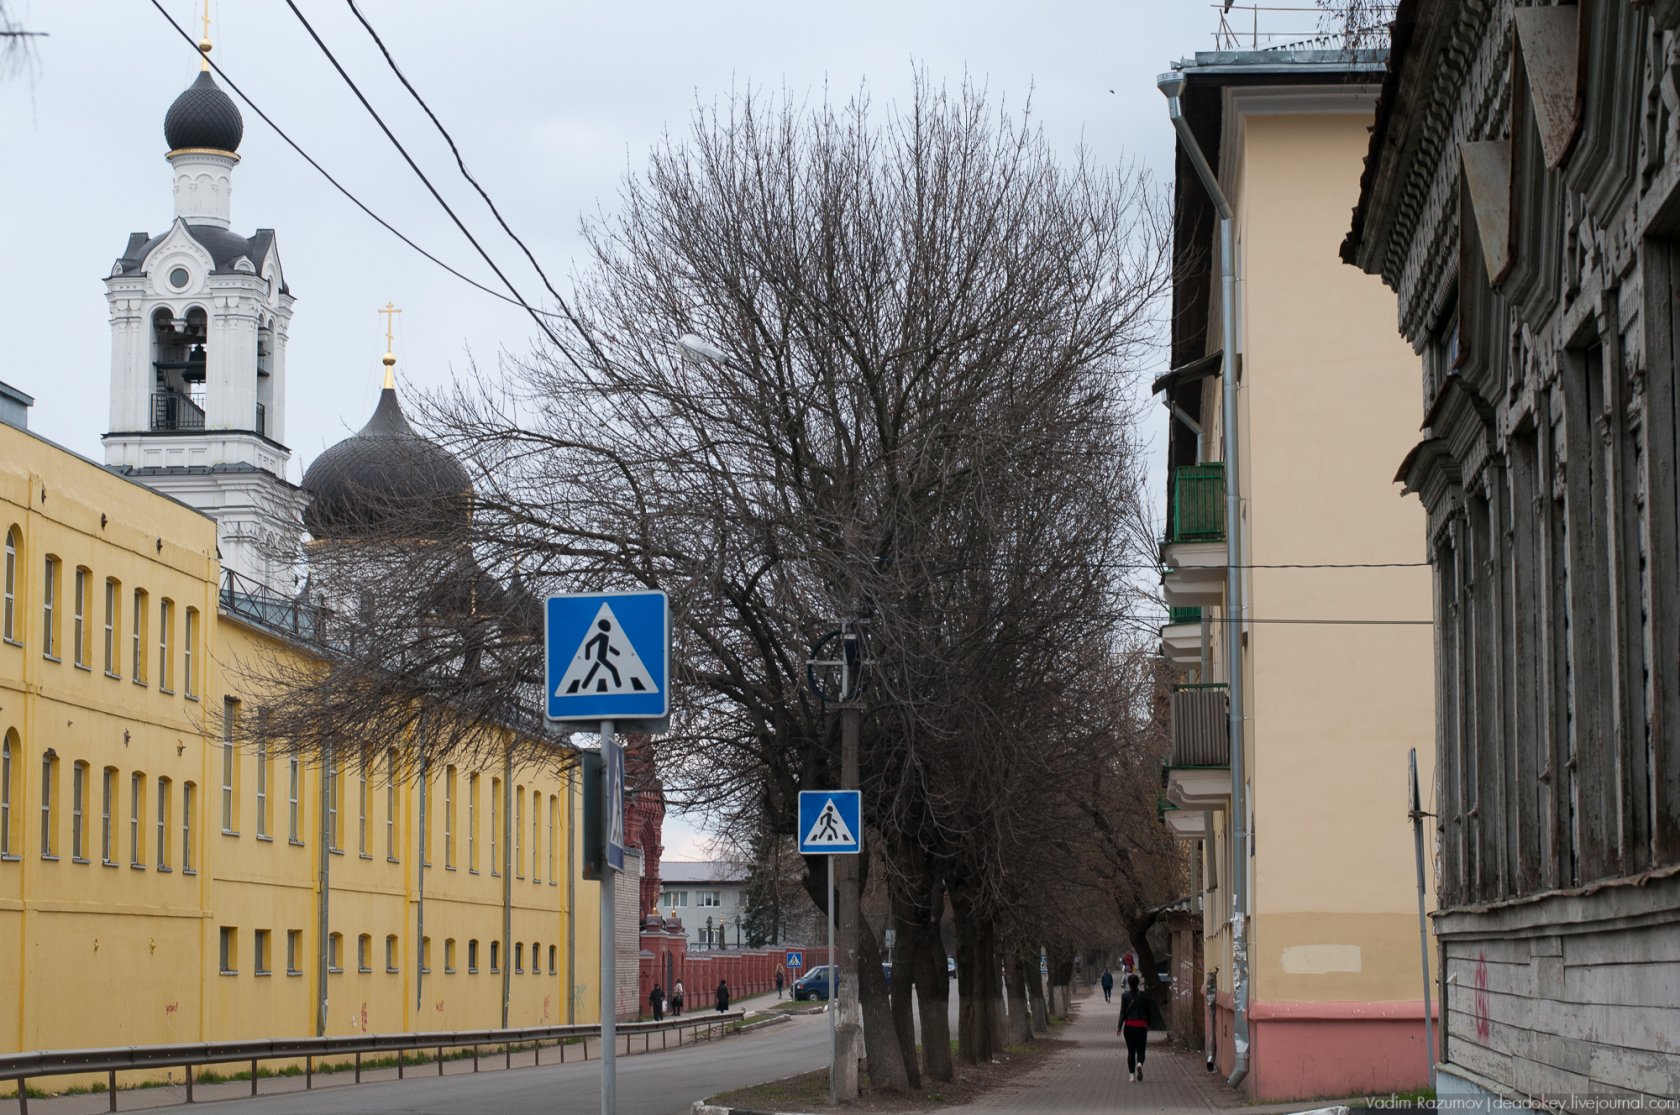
[173, 876]
[1306, 850]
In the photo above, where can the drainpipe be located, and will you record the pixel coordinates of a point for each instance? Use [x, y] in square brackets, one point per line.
[1172, 86]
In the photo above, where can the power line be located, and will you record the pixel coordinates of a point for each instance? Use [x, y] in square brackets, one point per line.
[460, 162]
[415, 167]
[321, 170]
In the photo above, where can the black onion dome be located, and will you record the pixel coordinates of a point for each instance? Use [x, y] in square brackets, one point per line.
[386, 481]
[204, 116]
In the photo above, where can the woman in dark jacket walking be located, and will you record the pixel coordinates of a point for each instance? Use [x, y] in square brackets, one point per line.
[722, 996]
[1134, 1024]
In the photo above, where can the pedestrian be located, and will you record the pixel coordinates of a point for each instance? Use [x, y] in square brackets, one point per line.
[778, 982]
[1107, 985]
[656, 1000]
[677, 1000]
[722, 996]
[1134, 1025]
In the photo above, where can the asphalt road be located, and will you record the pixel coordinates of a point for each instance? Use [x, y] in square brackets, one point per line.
[660, 1083]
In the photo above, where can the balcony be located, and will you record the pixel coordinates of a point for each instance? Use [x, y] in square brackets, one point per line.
[1184, 824]
[1181, 638]
[1194, 548]
[1198, 771]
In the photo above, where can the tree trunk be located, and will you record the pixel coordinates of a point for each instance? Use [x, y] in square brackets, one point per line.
[907, 979]
[880, 1040]
[1020, 1001]
[933, 996]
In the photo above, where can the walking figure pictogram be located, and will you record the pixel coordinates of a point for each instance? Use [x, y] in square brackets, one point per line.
[598, 648]
[826, 829]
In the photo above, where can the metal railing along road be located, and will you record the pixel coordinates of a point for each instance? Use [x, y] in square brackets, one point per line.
[21, 1068]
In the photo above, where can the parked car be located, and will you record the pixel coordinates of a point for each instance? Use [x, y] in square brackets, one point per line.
[813, 984]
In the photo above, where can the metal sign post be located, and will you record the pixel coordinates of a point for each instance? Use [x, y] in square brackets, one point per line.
[831, 824]
[607, 659]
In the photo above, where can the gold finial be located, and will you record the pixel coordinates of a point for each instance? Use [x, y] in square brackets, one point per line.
[204, 43]
[390, 358]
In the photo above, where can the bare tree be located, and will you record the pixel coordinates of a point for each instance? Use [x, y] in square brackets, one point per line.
[918, 420]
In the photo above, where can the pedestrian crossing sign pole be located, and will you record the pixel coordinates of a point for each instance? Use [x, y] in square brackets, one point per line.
[607, 660]
[831, 824]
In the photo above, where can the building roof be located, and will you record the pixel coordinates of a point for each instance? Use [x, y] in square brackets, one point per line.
[204, 117]
[704, 871]
[386, 479]
[226, 248]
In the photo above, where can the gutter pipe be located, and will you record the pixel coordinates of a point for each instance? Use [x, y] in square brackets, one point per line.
[1172, 87]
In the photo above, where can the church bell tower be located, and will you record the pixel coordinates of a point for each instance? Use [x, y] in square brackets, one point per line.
[199, 318]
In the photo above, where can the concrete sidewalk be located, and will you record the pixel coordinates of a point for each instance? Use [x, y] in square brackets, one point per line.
[1090, 1078]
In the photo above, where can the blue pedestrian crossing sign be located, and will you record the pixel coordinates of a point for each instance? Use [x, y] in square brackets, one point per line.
[795, 959]
[608, 656]
[830, 822]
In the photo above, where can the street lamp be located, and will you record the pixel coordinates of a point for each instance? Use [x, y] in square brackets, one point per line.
[699, 347]
[708, 931]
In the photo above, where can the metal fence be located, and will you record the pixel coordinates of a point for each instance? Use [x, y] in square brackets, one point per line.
[21, 1068]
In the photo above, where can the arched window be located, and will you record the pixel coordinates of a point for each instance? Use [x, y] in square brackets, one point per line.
[8, 619]
[9, 748]
[52, 574]
[179, 360]
[364, 953]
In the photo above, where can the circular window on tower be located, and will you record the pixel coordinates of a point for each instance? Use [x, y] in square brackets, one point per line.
[178, 278]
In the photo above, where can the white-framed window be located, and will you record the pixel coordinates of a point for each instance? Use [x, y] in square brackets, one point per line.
[8, 747]
[265, 770]
[391, 805]
[495, 835]
[8, 604]
[137, 820]
[553, 834]
[449, 820]
[113, 593]
[49, 607]
[536, 843]
[708, 899]
[166, 661]
[518, 828]
[138, 636]
[230, 766]
[472, 830]
[674, 900]
[189, 639]
[107, 832]
[78, 812]
[472, 956]
[364, 805]
[294, 776]
[79, 607]
[164, 804]
[335, 832]
[49, 798]
[189, 804]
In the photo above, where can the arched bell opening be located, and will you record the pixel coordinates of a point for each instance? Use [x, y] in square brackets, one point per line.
[180, 356]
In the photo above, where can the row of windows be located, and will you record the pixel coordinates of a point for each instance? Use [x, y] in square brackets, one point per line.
[123, 802]
[678, 899]
[383, 777]
[262, 956]
[82, 638]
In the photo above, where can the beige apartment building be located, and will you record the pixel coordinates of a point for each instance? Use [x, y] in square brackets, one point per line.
[1304, 847]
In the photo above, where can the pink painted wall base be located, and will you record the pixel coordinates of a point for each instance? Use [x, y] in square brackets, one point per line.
[1309, 1050]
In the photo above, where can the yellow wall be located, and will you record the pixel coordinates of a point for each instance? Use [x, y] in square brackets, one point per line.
[144, 942]
[1325, 402]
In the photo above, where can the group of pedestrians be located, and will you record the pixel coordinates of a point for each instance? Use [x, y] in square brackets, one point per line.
[657, 1000]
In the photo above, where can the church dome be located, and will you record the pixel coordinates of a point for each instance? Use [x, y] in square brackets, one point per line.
[386, 482]
[204, 116]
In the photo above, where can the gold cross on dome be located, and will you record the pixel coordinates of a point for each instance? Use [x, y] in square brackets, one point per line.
[204, 43]
[390, 311]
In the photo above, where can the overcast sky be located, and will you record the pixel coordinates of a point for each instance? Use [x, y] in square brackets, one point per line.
[550, 103]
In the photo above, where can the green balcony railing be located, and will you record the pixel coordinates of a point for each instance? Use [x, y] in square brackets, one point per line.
[1192, 614]
[1198, 503]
